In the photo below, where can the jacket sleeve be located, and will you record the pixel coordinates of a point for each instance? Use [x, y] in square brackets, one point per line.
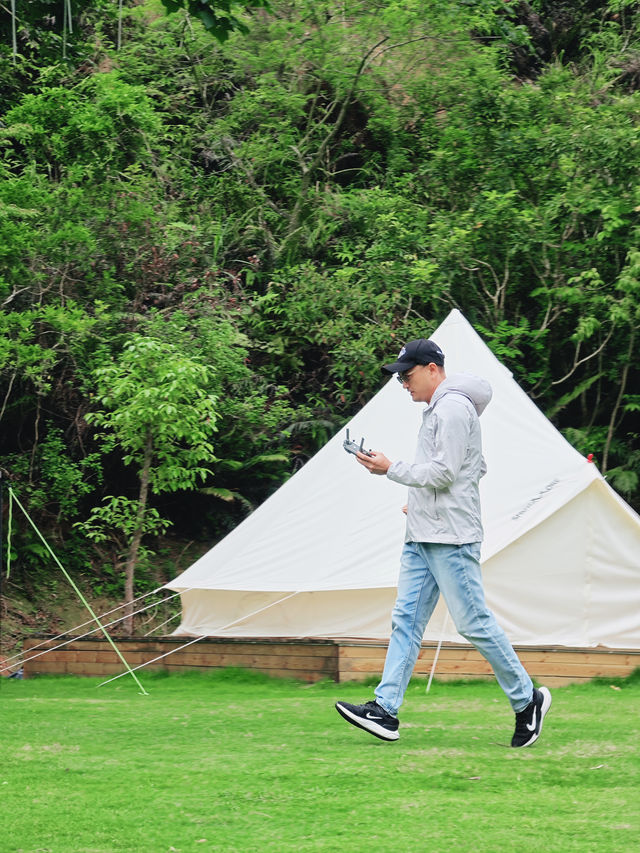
[451, 441]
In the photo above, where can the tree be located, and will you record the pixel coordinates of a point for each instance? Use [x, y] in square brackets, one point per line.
[217, 16]
[159, 412]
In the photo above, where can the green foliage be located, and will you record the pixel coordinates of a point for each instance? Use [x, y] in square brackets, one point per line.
[59, 482]
[255, 412]
[53, 484]
[99, 125]
[156, 400]
[23, 352]
[119, 515]
[52, 38]
[624, 480]
[159, 413]
[206, 240]
[115, 523]
[217, 16]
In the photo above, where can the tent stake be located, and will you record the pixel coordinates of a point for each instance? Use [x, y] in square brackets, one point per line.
[435, 657]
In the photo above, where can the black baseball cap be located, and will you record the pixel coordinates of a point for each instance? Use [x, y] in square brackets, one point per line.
[421, 351]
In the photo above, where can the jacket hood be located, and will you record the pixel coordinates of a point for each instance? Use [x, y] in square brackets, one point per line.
[475, 388]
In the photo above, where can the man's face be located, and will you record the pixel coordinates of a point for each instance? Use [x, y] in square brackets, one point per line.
[422, 380]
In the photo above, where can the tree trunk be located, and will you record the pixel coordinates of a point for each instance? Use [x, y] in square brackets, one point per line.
[308, 170]
[614, 414]
[134, 547]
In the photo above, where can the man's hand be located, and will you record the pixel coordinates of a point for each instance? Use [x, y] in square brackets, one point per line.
[377, 463]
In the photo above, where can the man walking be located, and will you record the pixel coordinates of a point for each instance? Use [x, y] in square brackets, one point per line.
[441, 553]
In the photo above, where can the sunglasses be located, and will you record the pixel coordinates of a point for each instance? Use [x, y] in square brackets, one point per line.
[405, 375]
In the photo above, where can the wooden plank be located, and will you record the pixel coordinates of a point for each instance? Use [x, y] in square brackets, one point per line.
[363, 649]
[304, 668]
[237, 658]
[592, 657]
[554, 666]
[312, 660]
[279, 650]
[270, 662]
[570, 667]
[320, 649]
[45, 667]
[625, 659]
[273, 651]
[460, 667]
[583, 671]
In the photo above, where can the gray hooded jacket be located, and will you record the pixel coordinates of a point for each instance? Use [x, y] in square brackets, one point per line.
[444, 499]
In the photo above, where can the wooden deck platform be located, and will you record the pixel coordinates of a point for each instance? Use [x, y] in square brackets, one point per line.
[316, 659]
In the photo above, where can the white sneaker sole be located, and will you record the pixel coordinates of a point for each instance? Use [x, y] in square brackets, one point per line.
[546, 704]
[367, 725]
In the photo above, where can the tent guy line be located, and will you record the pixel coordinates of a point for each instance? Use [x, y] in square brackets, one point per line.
[162, 624]
[153, 660]
[14, 660]
[130, 672]
[203, 637]
[88, 633]
[89, 622]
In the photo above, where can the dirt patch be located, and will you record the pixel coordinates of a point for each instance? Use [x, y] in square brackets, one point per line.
[59, 610]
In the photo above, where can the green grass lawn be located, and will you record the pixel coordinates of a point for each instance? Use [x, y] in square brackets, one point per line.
[234, 761]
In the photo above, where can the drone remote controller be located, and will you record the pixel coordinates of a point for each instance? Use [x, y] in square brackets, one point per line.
[352, 447]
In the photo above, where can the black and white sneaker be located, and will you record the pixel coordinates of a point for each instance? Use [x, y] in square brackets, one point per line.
[370, 717]
[529, 721]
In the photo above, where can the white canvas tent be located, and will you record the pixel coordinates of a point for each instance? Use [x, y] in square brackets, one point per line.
[561, 556]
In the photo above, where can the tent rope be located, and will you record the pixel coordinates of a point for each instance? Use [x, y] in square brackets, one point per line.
[86, 634]
[204, 636]
[162, 624]
[88, 622]
[78, 592]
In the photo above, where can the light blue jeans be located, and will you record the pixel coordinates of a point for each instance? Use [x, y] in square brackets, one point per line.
[426, 570]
